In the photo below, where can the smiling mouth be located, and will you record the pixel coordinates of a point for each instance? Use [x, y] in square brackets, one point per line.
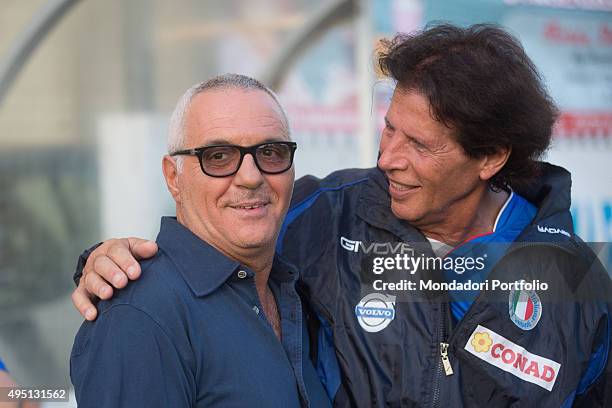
[401, 187]
[252, 206]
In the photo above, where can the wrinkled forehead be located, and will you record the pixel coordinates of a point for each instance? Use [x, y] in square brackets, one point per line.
[234, 116]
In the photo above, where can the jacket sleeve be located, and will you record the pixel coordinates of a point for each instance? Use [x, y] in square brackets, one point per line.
[595, 388]
[125, 359]
[306, 219]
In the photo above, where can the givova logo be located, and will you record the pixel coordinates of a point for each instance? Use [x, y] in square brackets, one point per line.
[375, 312]
[377, 248]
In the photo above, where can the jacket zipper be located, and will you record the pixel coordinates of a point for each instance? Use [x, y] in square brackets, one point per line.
[444, 365]
[448, 368]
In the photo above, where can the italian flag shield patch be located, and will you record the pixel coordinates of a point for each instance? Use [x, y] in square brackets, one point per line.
[525, 308]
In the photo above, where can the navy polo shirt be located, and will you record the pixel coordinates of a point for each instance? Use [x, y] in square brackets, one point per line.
[192, 332]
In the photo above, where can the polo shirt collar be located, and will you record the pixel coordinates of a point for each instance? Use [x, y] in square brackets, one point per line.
[202, 266]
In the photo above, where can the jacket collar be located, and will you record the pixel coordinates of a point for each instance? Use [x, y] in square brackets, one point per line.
[550, 193]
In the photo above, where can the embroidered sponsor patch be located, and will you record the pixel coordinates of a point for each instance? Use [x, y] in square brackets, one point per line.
[525, 308]
[551, 230]
[512, 358]
[375, 311]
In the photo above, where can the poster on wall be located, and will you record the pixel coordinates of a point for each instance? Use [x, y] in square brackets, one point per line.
[570, 43]
[574, 55]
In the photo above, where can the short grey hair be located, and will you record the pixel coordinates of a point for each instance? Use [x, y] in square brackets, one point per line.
[176, 131]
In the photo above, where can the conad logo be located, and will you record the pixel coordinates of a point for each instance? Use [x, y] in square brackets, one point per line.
[512, 358]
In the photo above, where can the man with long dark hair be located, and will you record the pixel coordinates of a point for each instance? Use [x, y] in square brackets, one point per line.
[458, 178]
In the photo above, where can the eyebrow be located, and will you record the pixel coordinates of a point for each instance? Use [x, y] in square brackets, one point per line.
[410, 137]
[221, 141]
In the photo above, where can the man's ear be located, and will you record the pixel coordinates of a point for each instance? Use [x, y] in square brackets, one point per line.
[494, 162]
[171, 172]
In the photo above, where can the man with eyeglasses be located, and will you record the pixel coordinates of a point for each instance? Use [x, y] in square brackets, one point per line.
[216, 320]
[458, 177]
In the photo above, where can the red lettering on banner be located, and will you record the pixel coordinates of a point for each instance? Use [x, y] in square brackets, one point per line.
[513, 359]
[495, 348]
[520, 362]
[555, 33]
[517, 360]
[508, 356]
[548, 374]
[605, 34]
[583, 124]
[533, 368]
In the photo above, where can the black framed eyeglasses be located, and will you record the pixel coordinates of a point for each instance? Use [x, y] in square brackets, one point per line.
[225, 160]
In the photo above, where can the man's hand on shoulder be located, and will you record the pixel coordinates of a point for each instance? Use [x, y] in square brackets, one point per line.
[110, 265]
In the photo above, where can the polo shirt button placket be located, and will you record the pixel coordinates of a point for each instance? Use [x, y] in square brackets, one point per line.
[243, 275]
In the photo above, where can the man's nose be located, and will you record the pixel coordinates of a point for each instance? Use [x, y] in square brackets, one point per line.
[392, 156]
[248, 174]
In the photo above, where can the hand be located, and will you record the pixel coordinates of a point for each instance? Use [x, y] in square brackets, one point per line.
[110, 265]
